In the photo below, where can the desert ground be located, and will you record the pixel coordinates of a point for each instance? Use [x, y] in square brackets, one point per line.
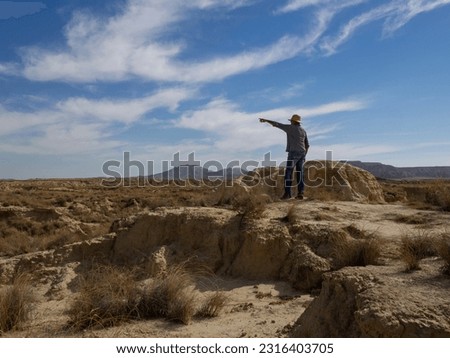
[358, 257]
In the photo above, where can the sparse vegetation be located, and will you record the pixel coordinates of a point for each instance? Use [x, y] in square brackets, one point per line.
[108, 296]
[438, 194]
[213, 305]
[416, 246]
[417, 219]
[43, 215]
[16, 304]
[350, 246]
[169, 295]
[363, 249]
[354, 252]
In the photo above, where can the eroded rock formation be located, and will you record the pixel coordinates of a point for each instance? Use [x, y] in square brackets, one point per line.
[377, 302]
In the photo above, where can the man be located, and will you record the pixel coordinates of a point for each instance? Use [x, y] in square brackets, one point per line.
[297, 148]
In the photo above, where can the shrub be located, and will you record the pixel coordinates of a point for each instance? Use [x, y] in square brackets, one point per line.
[108, 296]
[357, 253]
[213, 305]
[16, 304]
[438, 194]
[362, 250]
[169, 295]
[415, 247]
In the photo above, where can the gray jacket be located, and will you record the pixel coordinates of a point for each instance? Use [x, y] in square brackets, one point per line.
[297, 139]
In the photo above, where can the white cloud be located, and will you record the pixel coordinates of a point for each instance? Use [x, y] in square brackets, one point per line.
[231, 133]
[131, 44]
[124, 111]
[295, 5]
[134, 42]
[12, 122]
[79, 125]
[407, 10]
[9, 69]
[232, 130]
[107, 49]
[64, 139]
[396, 14]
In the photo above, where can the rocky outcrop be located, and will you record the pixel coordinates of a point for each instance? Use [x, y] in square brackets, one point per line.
[229, 242]
[304, 269]
[324, 180]
[225, 241]
[342, 182]
[263, 252]
[209, 236]
[42, 263]
[369, 302]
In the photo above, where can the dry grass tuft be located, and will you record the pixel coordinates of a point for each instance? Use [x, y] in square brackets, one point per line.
[416, 219]
[357, 253]
[169, 295]
[362, 250]
[213, 305]
[16, 304]
[438, 194]
[415, 247]
[107, 297]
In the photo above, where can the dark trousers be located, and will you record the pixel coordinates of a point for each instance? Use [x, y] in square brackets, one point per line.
[295, 160]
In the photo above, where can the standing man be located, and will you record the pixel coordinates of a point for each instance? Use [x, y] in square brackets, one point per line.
[297, 148]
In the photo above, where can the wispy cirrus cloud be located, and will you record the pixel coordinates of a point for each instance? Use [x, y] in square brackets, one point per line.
[295, 5]
[395, 14]
[133, 44]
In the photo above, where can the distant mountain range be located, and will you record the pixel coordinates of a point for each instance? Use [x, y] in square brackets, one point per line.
[198, 173]
[384, 171]
[379, 170]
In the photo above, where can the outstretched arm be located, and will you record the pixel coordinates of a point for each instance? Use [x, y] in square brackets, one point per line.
[263, 120]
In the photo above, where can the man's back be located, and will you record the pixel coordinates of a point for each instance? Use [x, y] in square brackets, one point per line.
[297, 139]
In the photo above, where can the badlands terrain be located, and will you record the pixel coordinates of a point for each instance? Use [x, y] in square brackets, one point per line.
[358, 257]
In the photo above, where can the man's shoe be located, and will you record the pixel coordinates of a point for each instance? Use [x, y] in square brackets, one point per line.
[300, 196]
[285, 196]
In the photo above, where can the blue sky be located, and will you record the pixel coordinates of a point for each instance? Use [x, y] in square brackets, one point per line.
[83, 81]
